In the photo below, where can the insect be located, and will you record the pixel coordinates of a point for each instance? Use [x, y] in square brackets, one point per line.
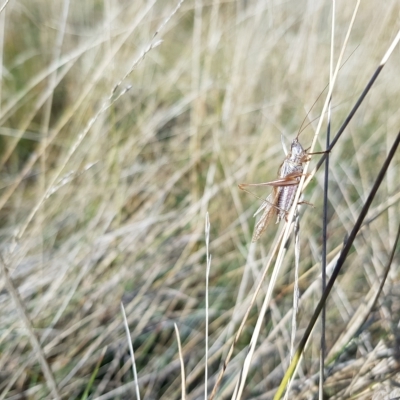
[284, 188]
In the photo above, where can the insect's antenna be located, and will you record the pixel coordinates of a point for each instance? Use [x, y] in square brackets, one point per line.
[319, 116]
[323, 90]
[308, 112]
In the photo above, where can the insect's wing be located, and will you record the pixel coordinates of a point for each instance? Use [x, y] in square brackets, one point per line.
[265, 203]
[269, 211]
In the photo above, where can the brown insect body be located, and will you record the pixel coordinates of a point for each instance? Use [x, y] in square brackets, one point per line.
[284, 188]
[292, 166]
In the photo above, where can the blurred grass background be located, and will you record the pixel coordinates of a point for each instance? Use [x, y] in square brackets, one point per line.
[123, 218]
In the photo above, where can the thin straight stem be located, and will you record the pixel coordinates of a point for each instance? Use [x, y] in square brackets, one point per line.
[325, 223]
[323, 264]
[324, 253]
[207, 232]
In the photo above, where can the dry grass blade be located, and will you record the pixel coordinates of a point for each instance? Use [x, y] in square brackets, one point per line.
[338, 266]
[208, 257]
[4, 5]
[296, 292]
[19, 305]
[183, 375]
[128, 336]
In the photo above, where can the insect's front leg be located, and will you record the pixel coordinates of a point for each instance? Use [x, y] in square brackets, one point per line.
[307, 156]
[299, 203]
[307, 203]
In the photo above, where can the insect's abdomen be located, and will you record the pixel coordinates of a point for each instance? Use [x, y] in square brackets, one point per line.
[287, 193]
[286, 197]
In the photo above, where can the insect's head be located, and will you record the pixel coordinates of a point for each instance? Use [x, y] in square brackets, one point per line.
[296, 148]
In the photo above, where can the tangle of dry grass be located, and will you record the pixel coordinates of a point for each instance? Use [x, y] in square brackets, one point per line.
[115, 142]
